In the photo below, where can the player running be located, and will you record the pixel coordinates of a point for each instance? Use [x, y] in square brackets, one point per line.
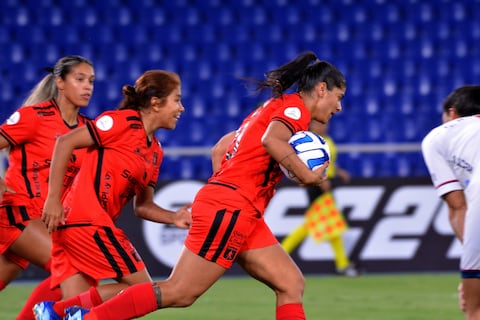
[228, 212]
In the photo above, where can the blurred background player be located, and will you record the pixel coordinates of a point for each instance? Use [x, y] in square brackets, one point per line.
[51, 109]
[122, 162]
[228, 212]
[323, 221]
[452, 155]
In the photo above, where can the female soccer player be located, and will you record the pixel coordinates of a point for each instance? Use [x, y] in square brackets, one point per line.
[452, 155]
[122, 162]
[227, 213]
[51, 109]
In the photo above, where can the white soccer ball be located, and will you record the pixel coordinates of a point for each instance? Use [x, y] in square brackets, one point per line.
[311, 148]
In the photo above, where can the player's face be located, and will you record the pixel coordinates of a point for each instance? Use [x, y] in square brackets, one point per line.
[328, 104]
[171, 111]
[77, 88]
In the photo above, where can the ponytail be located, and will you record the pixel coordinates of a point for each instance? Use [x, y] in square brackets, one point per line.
[305, 70]
[282, 78]
[44, 90]
[152, 83]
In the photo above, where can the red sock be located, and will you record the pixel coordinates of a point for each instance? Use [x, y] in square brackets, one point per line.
[87, 300]
[131, 303]
[2, 285]
[42, 292]
[292, 311]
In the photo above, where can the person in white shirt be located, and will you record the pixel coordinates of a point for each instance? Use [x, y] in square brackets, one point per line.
[452, 154]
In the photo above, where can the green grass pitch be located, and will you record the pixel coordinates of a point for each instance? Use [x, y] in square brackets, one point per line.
[368, 297]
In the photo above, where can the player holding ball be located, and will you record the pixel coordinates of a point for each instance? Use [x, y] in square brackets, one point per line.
[228, 212]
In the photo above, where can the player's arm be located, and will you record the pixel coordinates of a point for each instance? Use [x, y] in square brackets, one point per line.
[275, 141]
[457, 207]
[65, 145]
[145, 208]
[3, 142]
[219, 149]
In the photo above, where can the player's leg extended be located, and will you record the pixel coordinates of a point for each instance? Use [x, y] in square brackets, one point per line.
[8, 271]
[190, 278]
[40, 255]
[274, 267]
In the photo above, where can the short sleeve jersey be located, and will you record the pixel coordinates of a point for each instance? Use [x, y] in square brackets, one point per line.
[32, 132]
[248, 167]
[122, 163]
[452, 154]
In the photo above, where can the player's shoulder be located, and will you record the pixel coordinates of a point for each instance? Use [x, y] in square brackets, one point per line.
[126, 121]
[431, 137]
[30, 114]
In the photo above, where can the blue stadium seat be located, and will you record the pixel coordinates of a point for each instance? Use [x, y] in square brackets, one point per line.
[400, 59]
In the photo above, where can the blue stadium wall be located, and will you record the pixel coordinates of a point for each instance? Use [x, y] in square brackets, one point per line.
[400, 58]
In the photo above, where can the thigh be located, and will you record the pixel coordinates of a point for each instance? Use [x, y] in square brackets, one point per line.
[191, 276]
[271, 265]
[36, 233]
[74, 285]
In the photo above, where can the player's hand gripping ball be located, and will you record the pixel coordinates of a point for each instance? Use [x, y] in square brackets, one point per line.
[311, 148]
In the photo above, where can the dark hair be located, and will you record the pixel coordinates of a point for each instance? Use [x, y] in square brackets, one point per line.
[305, 70]
[47, 89]
[152, 83]
[465, 100]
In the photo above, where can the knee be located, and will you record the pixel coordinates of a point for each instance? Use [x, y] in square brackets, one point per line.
[177, 297]
[299, 284]
[293, 286]
[187, 301]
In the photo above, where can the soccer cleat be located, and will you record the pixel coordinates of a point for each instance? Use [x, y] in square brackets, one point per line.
[44, 311]
[75, 313]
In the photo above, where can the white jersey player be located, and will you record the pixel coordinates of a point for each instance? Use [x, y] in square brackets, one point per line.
[452, 155]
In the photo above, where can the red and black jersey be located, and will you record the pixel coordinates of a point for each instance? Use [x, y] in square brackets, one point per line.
[122, 163]
[32, 132]
[248, 167]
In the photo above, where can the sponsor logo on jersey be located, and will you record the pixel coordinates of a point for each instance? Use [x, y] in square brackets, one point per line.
[14, 118]
[292, 113]
[105, 123]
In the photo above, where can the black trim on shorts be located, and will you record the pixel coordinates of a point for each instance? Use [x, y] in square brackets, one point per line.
[107, 255]
[101, 245]
[11, 216]
[212, 233]
[120, 250]
[24, 213]
[226, 235]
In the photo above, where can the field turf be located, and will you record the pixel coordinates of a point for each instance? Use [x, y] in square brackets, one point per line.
[369, 297]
